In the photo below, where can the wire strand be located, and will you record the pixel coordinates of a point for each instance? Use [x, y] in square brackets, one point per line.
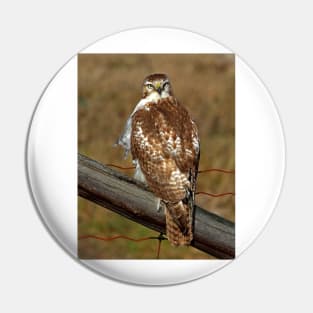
[215, 194]
[115, 237]
[199, 172]
[120, 167]
[217, 170]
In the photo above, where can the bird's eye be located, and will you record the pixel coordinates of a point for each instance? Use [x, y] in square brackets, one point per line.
[149, 86]
[166, 86]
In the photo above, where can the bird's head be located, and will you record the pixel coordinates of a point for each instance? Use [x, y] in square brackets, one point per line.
[156, 86]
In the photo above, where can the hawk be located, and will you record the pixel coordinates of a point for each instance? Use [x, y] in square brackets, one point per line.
[165, 147]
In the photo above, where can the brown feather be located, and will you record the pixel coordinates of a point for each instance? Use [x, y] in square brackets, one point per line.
[178, 223]
[164, 141]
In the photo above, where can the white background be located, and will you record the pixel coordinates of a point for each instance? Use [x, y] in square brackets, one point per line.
[274, 38]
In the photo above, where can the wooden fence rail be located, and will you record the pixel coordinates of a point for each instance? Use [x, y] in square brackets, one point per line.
[129, 198]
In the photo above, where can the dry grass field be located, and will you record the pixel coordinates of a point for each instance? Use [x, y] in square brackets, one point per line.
[109, 87]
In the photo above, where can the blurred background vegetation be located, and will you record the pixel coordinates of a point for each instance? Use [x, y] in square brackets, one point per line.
[109, 87]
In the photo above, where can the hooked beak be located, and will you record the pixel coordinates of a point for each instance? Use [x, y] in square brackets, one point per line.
[158, 87]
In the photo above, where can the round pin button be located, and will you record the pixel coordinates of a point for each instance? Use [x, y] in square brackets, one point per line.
[155, 156]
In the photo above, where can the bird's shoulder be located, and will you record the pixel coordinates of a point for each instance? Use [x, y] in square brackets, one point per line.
[167, 111]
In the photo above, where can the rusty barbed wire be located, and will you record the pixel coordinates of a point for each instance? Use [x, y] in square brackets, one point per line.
[161, 237]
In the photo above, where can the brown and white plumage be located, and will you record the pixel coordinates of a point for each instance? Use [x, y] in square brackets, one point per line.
[164, 145]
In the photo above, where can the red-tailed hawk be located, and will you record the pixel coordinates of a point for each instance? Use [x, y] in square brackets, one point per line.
[165, 147]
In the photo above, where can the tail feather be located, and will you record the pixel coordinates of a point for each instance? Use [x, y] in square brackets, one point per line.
[179, 223]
